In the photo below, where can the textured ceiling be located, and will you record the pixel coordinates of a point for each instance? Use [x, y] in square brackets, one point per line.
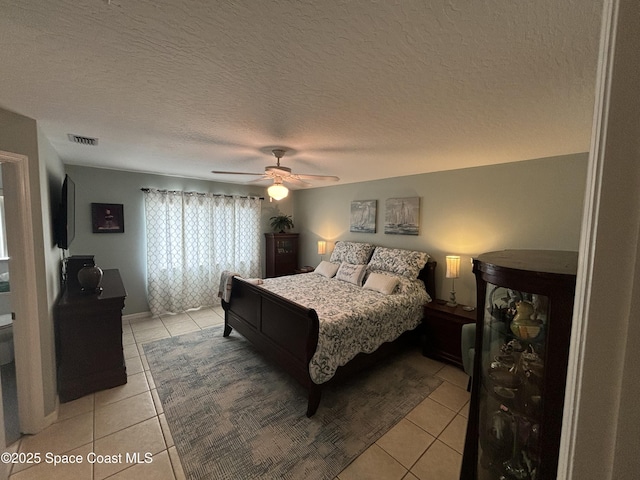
[359, 89]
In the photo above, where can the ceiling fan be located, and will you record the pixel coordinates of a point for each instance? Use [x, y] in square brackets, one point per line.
[281, 175]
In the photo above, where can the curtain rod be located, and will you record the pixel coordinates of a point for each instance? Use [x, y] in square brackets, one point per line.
[146, 189]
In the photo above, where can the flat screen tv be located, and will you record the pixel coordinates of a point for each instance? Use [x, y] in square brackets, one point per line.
[66, 221]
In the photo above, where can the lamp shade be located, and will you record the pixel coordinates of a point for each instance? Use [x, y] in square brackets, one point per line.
[322, 247]
[277, 191]
[453, 266]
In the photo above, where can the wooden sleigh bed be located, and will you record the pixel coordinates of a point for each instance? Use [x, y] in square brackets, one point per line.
[287, 332]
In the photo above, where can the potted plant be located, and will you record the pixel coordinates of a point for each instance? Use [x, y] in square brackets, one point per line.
[280, 223]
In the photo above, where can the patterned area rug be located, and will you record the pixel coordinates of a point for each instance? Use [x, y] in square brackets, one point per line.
[235, 415]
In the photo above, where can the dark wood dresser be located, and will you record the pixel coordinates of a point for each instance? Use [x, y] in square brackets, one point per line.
[88, 330]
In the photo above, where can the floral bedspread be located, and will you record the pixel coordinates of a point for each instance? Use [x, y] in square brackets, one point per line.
[352, 319]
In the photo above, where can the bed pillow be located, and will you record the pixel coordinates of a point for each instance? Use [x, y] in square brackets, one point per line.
[352, 252]
[348, 272]
[381, 283]
[327, 269]
[407, 263]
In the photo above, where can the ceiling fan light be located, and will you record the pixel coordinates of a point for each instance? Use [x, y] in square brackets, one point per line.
[277, 191]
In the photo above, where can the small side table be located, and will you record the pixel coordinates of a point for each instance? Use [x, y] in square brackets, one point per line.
[442, 327]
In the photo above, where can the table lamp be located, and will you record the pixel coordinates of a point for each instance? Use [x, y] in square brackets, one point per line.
[453, 272]
[322, 248]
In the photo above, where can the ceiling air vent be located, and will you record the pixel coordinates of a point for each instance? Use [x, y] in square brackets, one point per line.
[82, 140]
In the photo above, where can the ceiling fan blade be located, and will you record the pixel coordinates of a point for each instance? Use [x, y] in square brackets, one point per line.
[292, 179]
[317, 177]
[217, 172]
[258, 180]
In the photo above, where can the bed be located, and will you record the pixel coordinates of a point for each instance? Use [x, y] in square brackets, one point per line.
[300, 321]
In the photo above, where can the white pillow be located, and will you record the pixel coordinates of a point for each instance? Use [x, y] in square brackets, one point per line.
[381, 283]
[327, 269]
[351, 273]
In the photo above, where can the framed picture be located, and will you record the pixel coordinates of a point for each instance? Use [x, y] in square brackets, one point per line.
[363, 216]
[107, 217]
[402, 216]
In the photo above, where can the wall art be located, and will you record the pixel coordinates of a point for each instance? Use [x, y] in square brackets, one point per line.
[107, 217]
[402, 216]
[363, 216]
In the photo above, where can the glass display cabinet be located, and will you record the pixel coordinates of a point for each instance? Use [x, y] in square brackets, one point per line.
[523, 328]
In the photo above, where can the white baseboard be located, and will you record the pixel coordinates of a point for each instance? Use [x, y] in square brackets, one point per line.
[136, 316]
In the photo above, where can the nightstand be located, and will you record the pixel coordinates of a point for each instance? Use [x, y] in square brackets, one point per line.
[442, 330]
[306, 269]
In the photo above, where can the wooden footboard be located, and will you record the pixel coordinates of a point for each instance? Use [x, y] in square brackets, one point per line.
[282, 330]
[287, 332]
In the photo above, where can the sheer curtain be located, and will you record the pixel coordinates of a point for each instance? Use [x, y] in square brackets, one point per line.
[191, 239]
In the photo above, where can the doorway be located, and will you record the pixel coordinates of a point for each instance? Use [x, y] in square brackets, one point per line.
[8, 383]
[23, 278]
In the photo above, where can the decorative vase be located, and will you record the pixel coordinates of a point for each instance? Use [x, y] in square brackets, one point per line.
[522, 325]
[90, 277]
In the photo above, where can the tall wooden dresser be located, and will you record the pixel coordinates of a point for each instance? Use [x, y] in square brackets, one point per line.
[282, 254]
[88, 330]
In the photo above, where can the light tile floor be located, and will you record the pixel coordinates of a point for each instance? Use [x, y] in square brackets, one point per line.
[107, 425]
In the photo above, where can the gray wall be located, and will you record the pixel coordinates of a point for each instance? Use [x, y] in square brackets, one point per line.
[530, 204]
[50, 178]
[127, 251]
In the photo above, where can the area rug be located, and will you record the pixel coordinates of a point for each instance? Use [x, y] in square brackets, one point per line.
[234, 415]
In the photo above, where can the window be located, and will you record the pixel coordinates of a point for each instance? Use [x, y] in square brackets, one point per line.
[191, 239]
